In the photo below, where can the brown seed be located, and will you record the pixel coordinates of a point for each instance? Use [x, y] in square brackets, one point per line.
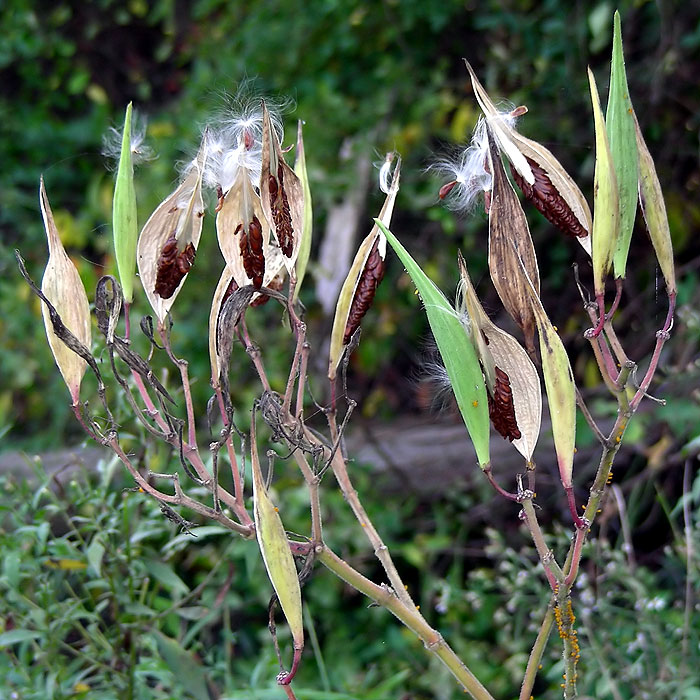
[366, 288]
[548, 201]
[502, 409]
[173, 264]
[251, 247]
[281, 214]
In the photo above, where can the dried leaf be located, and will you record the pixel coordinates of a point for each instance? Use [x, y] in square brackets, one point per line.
[456, 350]
[124, 223]
[308, 220]
[169, 240]
[499, 350]
[653, 206]
[348, 302]
[63, 287]
[509, 243]
[606, 206]
[282, 195]
[619, 122]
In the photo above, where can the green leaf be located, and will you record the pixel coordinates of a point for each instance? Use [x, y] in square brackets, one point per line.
[620, 127]
[94, 553]
[124, 223]
[166, 576]
[456, 350]
[606, 205]
[189, 674]
[17, 636]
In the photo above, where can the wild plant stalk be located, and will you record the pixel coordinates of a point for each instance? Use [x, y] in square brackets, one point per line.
[263, 223]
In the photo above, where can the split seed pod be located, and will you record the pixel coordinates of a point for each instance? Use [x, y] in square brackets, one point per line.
[124, 223]
[365, 274]
[63, 287]
[281, 193]
[560, 388]
[653, 206]
[606, 205]
[512, 382]
[509, 244]
[541, 177]
[456, 349]
[168, 242]
[277, 557]
[308, 220]
[619, 123]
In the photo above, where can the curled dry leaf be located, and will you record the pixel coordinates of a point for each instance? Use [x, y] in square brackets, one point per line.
[509, 243]
[168, 242]
[541, 177]
[606, 205]
[499, 352]
[277, 556]
[282, 194]
[63, 287]
[365, 274]
[651, 199]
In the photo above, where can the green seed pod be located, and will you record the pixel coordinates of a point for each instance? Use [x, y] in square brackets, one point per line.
[308, 219]
[63, 287]
[619, 123]
[606, 206]
[124, 224]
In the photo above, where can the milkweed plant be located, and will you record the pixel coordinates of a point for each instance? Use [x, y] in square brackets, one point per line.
[264, 225]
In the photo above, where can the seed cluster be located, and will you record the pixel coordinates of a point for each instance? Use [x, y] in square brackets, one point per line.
[501, 408]
[173, 264]
[281, 214]
[370, 278]
[549, 201]
[251, 246]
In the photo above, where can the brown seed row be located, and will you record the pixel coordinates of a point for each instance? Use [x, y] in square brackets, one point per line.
[173, 264]
[281, 215]
[548, 201]
[251, 247]
[502, 409]
[370, 278]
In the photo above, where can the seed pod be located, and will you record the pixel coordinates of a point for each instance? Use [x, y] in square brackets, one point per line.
[456, 349]
[619, 123]
[307, 223]
[651, 199]
[510, 242]
[360, 285]
[277, 557]
[63, 287]
[498, 350]
[606, 206]
[281, 194]
[124, 224]
[224, 289]
[555, 193]
[168, 242]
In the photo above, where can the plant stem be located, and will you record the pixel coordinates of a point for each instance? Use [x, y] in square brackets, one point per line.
[555, 575]
[410, 617]
[533, 663]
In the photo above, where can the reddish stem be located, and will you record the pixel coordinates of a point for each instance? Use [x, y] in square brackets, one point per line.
[578, 522]
[286, 677]
[595, 332]
[619, 283]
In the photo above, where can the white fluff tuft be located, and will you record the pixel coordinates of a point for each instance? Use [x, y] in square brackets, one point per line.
[140, 151]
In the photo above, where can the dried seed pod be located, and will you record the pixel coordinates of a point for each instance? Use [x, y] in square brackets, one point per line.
[370, 278]
[351, 299]
[307, 223]
[281, 194]
[573, 214]
[62, 286]
[510, 242]
[498, 349]
[168, 241]
[173, 264]
[502, 408]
